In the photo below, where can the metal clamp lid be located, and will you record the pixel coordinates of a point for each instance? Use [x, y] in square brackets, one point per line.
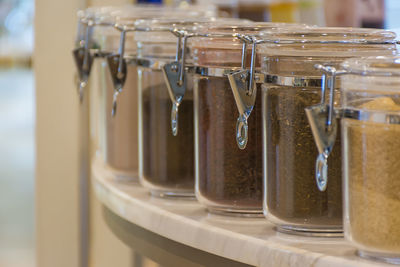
[175, 77]
[84, 56]
[84, 61]
[244, 91]
[117, 63]
[322, 119]
[118, 67]
[174, 72]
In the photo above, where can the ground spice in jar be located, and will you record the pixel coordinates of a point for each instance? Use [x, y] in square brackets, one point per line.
[121, 130]
[118, 135]
[168, 161]
[292, 193]
[228, 177]
[372, 174]
[293, 200]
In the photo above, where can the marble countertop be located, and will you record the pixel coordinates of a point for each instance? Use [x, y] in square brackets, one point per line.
[249, 241]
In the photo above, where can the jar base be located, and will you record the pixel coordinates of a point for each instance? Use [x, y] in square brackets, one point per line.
[381, 257]
[236, 212]
[313, 232]
[173, 195]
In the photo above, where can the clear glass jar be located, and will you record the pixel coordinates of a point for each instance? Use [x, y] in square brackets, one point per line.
[228, 179]
[371, 156]
[166, 161]
[292, 199]
[96, 27]
[116, 136]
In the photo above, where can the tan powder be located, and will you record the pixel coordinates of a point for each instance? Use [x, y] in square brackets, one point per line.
[372, 171]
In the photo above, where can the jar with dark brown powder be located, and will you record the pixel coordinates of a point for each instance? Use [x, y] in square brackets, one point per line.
[292, 199]
[115, 136]
[228, 179]
[166, 161]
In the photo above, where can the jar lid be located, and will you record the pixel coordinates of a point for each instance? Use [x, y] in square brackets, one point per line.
[104, 18]
[215, 38]
[378, 74]
[159, 30]
[99, 16]
[130, 13]
[327, 41]
[375, 66]
[165, 24]
[332, 35]
[109, 14]
[105, 36]
[219, 46]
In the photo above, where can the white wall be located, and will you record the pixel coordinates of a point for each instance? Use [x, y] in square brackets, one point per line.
[57, 187]
[105, 249]
[60, 206]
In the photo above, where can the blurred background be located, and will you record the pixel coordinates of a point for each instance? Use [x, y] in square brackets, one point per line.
[18, 105]
[17, 117]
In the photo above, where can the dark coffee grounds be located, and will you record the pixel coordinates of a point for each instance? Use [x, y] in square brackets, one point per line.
[168, 161]
[292, 193]
[228, 176]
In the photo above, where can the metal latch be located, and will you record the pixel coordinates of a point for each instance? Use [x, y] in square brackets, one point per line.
[84, 61]
[323, 122]
[244, 91]
[175, 76]
[118, 70]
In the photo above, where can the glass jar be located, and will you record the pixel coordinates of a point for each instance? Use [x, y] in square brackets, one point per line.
[228, 179]
[115, 131]
[371, 154]
[96, 38]
[166, 161]
[292, 199]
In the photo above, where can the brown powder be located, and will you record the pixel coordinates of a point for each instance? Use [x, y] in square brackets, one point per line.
[122, 130]
[372, 174]
[292, 193]
[228, 178]
[168, 161]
